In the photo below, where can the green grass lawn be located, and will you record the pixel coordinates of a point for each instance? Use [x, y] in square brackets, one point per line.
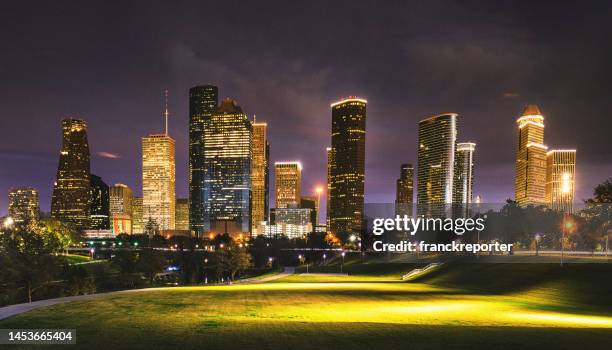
[475, 306]
[74, 258]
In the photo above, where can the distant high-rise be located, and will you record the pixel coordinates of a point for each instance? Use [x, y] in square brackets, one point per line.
[121, 207]
[70, 200]
[347, 173]
[288, 183]
[530, 180]
[98, 204]
[464, 173]
[23, 205]
[203, 101]
[182, 214]
[260, 173]
[328, 152]
[228, 136]
[404, 190]
[137, 216]
[436, 156]
[159, 178]
[560, 179]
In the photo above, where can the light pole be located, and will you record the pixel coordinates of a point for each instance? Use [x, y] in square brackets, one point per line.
[342, 265]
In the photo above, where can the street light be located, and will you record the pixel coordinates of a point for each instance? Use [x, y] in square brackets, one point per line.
[8, 222]
[342, 265]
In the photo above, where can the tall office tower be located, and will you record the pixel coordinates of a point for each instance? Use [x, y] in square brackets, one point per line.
[70, 200]
[228, 137]
[159, 178]
[288, 183]
[464, 173]
[530, 180]
[436, 156]
[346, 199]
[98, 204]
[137, 224]
[328, 152]
[23, 206]
[259, 174]
[121, 207]
[404, 190]
[310, 202]
[560, 179]
[182, 214]
[203, 101]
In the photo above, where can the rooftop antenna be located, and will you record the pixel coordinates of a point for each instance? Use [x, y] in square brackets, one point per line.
[254, 119]
[166, 109]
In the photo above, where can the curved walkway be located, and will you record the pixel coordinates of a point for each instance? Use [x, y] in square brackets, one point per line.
[12, 310]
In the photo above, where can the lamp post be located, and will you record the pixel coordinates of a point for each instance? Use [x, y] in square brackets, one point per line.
[342, 265]
[568, 225]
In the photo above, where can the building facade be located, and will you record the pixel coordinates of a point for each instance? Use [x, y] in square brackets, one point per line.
[121, 207]
[203, 101]
[228, 137]
[404, 190]
[464, 173]
[347, 171]
[260, 174]
[182, 214]
[137, 216]
[159, 180]
[530, 179]
[70, 199]
[560, 179]
[329, 154]
[23, 205]
[288, 183]
[436, 157]
[99, 208]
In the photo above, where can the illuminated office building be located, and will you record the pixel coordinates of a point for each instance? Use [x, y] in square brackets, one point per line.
[347, 172]
[23, 205]
[228, 136]
[328, 152]
[404, 190]
[98, 204]
[203, 101]
[260, 173]
[121, 207]
[159, 178]
[182, 214]
[137, 217]
[288, 183]
[464, 173]
[530, 179]
[70, 200]
[560, 179]
[436, 157]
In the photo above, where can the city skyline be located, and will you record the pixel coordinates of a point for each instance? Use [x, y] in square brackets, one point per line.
[488, 94]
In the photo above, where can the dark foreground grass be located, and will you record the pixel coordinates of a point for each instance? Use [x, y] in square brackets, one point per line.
[442, 311]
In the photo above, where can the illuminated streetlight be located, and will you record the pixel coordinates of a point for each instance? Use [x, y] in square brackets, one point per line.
[342, 265]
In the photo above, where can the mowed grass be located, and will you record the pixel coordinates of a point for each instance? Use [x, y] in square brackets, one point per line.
[448, 309]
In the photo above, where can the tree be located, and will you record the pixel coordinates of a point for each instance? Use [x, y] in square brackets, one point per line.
[598, 211]
[151, 262]
[233, 259]
[29, 257]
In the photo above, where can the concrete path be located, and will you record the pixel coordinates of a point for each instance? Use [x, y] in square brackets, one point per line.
[11, 310]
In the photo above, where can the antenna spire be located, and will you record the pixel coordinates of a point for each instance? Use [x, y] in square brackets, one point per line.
[166, 109]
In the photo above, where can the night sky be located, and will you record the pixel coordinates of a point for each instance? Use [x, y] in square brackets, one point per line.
[109, 63]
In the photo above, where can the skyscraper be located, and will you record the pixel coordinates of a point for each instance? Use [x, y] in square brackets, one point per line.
[121, 207]
[560, 179]
[436, 156]
[137, 223]
[203, 101]
[98, 204]
[182, 214]
[288, 183]
[464, 173]
[347, 172]
[530, 180]
[70, 200]
[404, 190]
[159, 178]
[328, 152]
[259, 173]
[23, 205]
[228, 136]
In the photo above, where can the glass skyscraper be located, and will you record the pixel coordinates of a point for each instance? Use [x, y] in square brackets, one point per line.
[260, 173]
[288, 184]
[23, 205]
[228, 141]
[530, 180]
[560, 179]
[70, 200]
[347, 171]
[159, 180]
[203, 101]
[404, 190]
[98, 204]
[436, 156]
